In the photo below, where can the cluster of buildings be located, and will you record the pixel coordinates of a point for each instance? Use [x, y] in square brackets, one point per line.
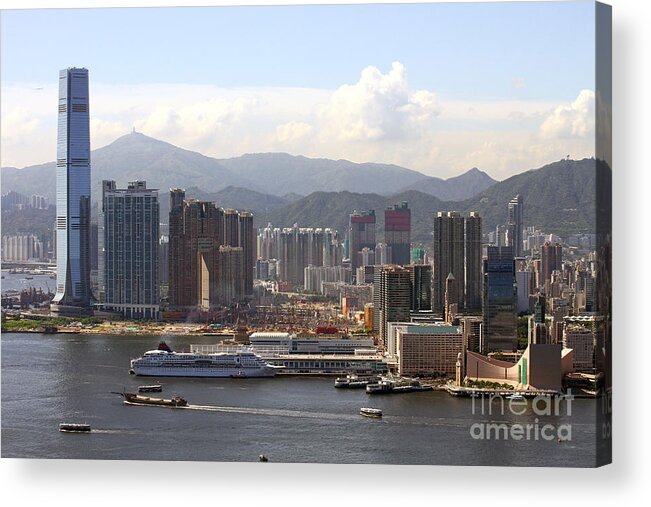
[421, 309]
[15, 200]
[23, 247]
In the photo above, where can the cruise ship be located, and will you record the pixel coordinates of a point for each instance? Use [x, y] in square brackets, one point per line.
[164, 362]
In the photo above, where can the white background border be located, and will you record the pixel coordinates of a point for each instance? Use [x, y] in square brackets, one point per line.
[78, 482]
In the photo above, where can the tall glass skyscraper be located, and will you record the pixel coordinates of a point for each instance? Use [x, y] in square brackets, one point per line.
[73, 191]
[500, 303]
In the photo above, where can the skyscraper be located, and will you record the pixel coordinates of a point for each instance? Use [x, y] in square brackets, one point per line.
[73, 192]
[499, 305]
[195, 228]
[130, 233]
[421, 287]
[515, 225]
[551, 260]
[391, 298]
[449, 255]
[397, 232]
[473, 264]
[246, 242]
[361, 233]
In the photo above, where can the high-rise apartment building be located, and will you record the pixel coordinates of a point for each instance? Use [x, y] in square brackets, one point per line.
[397, 232]
[130, 239]
[361, 234]
[457, 250]
[73, 192]
[499, 304]
[194, 227]
[515, 225]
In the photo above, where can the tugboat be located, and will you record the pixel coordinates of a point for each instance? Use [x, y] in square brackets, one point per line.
[136, 399]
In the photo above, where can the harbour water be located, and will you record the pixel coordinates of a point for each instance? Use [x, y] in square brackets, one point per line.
[20, 281]
[49, 379]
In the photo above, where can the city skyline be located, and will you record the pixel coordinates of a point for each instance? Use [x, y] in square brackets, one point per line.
[387, 104]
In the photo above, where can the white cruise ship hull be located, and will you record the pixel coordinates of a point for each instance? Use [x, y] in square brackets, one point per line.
[162, 371]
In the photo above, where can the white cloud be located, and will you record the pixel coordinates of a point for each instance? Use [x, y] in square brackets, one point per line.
[572, 120]
[378, 107]
[379, 118]
[293, 131]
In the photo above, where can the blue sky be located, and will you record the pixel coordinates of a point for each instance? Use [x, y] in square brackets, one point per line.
[538, 56]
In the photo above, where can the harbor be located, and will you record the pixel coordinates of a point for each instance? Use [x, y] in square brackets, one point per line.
[50, 379]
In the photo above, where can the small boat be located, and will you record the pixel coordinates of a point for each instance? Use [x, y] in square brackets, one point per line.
[516, 397]
[74, 428]
[154, 388]
[370, 412]
[136, 399]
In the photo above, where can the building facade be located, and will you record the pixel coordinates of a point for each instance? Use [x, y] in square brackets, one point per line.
[515, 225]
[129, 276]
[430, 350]
[391, 298]
[73, 191]
[457, 250]
[397, 232]
[500, 303]
[361, 234]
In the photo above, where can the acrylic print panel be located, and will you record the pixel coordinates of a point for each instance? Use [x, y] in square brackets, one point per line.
[331, 234]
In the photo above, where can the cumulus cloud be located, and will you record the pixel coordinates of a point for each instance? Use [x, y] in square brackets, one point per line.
[378, 107]
[293, 131]
[572, 120]
[378, 118]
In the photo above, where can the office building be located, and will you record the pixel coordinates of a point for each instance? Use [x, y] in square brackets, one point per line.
[421, 287]
[499, 301]
[246, 241]
[129, 275]
[73, 192]
[391, 298]
[551, 260]
[397, 232]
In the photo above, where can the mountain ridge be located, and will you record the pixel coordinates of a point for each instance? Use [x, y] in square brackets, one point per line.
[164, 165]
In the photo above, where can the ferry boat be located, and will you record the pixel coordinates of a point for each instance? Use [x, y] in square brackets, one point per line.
[355, 381]
[386, 386]
[164, 362]
[370, 412]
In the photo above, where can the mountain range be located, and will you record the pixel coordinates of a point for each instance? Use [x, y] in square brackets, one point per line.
[163, 165]
[284, 189]
[558, 198]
